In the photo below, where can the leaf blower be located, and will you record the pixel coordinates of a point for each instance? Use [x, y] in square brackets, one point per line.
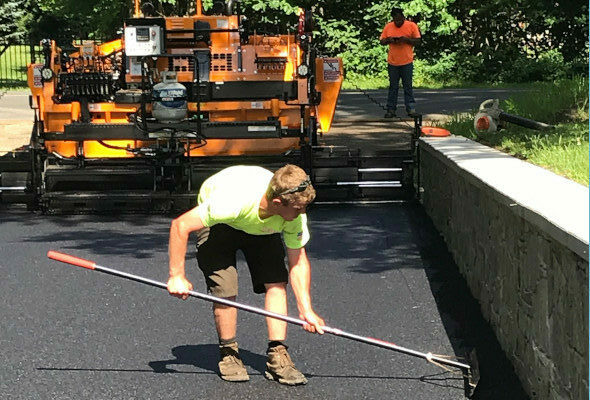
[490, 118]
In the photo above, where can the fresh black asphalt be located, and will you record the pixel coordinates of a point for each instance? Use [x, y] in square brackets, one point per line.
[380, 271]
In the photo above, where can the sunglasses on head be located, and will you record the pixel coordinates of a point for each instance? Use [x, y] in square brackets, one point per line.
[300, 188]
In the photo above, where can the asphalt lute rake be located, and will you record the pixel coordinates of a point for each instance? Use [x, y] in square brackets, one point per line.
[469, 372]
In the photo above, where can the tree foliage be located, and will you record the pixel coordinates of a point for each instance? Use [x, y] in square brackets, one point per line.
[12, 16]
[473, 40]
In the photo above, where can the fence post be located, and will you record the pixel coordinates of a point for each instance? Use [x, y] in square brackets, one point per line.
[32, 49]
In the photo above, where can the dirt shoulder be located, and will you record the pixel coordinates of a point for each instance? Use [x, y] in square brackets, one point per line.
[14, 134]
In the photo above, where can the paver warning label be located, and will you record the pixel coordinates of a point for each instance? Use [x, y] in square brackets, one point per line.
[331, 70]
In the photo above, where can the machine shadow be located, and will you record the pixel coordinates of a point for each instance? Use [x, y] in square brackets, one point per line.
[460, 313]
[121, 235]
[375, 240]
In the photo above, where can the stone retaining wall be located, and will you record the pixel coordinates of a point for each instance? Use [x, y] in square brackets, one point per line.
[519, 235]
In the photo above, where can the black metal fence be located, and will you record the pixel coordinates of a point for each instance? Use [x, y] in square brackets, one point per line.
[14, 57]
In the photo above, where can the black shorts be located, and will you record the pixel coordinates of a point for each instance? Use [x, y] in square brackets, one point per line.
[216, 255]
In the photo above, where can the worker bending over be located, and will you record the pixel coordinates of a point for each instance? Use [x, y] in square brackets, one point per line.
[247, 208]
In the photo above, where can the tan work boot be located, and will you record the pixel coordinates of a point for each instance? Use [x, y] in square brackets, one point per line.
[280, 367]
[231, 367]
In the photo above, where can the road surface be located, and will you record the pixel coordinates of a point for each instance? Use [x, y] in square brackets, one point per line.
[380, 271]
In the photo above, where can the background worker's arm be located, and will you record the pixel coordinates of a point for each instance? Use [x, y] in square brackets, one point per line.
[180, 230]
[389, 40]
[300, 277]
[400, 39]
[410, 40]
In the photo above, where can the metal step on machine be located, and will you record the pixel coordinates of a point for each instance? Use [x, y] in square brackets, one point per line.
[343, 175]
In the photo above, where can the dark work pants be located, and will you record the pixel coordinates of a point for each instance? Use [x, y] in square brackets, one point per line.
[404, 72]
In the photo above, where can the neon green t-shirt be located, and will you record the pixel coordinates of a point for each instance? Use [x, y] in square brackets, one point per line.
[232, 197]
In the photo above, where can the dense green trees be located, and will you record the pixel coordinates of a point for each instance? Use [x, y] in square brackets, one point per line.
[463, 40]
[467, 40]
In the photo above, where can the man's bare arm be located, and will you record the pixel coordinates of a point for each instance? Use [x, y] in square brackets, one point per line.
[410, 41]
[180, 230]
[389, 40]
[300, 277]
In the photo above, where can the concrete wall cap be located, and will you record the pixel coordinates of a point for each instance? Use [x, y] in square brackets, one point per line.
[556, 204]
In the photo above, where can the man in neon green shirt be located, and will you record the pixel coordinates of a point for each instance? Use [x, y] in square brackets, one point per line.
[247, 208]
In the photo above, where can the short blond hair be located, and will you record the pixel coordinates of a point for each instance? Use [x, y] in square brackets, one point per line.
[286, 178]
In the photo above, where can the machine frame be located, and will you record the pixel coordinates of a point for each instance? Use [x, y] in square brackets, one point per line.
[99, 143]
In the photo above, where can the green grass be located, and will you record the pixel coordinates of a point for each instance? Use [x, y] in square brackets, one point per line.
[563, 150]
[361, 82]
[13, 70]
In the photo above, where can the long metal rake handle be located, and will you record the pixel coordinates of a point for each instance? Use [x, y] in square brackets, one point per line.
[80, 262]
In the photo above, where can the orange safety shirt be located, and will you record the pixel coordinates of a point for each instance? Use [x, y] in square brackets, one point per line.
[400, 53]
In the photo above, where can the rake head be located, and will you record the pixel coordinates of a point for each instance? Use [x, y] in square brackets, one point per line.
[471, 375]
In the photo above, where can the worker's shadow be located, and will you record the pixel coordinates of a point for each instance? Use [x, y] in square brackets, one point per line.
[204, 356]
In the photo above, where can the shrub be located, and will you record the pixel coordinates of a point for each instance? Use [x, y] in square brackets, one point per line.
[440, 71]
[547, 66]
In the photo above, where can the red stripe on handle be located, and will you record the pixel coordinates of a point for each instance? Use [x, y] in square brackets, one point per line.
[68, 259]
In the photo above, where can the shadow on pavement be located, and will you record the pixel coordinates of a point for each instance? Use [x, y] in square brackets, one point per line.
[204, 356]
[363, 235]
[460, 314]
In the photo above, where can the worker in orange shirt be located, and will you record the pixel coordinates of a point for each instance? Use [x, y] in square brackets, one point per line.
[401, 36]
